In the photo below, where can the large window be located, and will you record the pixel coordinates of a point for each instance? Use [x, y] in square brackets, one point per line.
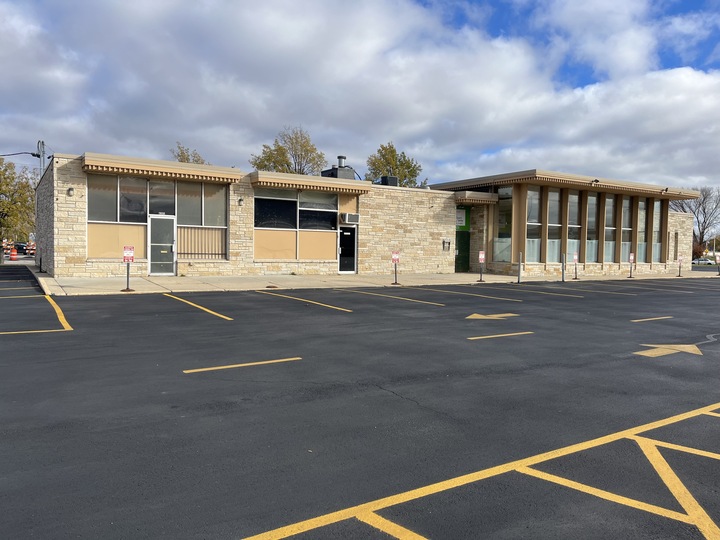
[502, 243]
[626, 233]
[534, 225]
[656, 231]
[610, 229]
[554, 244]
[642, 230]
[593, 214]
[162, 197]
[288, 209]
[102, 198]
[574, 226]
[133, 199]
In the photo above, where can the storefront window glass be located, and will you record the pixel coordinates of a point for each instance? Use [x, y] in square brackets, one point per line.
[591, 245]
[502, 243]
[102, 198]
[133, 199]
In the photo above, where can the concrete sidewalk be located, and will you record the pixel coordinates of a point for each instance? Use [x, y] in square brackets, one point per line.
[66, 286]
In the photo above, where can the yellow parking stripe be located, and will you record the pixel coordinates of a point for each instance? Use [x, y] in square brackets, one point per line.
[199, 307]
[306, 301]
[500, 335]
[34, 332]
[393, 500]
[653, 319]
[520, 287]
[21, 296]
[59, 313]
[387, 526]
[395, 297]
[216, 368]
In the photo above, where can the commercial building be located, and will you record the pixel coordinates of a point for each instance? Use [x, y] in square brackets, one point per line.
[188, 219]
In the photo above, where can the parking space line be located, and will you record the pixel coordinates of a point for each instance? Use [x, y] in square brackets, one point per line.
[305, 300]
[530, 291]
[652, 319]
[16, 288]
[387, 526]
[445, 485]
[574, 288]
[465, 294]
[232, 366]
[391, 296]
[199, 307]
[21, 296]
[500, 335]
[678, 447]
[59, 313]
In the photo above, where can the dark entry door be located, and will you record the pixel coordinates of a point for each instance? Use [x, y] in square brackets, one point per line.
[462, 251]
[347, 249]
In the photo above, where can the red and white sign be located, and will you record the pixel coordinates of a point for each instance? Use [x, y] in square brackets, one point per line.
[395, 257]
[575, 257]
[481, 257]
[632, 257]
[128, 254]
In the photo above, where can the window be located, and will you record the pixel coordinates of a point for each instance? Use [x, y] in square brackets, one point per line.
[189, 203]
[591, 245]
[656, 238]
[554, 243]
[215, 201]
[610, 229]
[626, 233]
[102, 198]
[534, 226]
[574, 227]
[133, 199]
[288, 209]
[642, 230]
[162, 197]
[502, 243]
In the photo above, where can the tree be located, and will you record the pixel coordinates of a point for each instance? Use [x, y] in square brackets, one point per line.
[17, 202]
[387, 162]
[292, 152]
[706, 210]
[184, 155]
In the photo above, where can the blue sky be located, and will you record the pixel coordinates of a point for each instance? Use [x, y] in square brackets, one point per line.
[626, 89]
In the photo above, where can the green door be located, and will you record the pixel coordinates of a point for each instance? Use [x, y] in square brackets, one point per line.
[462, 251]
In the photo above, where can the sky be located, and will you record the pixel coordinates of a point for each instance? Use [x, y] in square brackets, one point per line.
[619, 89]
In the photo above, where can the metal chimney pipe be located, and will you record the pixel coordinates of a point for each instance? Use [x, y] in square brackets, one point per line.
[341, 161]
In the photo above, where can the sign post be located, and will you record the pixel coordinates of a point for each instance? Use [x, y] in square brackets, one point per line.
[575, 260]
[128, 257]
[679, 267]
[396, 260]
[481, 260]
[632, 260]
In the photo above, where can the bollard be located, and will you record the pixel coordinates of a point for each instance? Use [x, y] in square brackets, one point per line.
[520, 258]
[13, 254]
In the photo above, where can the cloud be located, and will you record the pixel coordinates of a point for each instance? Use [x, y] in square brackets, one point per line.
[442, 80]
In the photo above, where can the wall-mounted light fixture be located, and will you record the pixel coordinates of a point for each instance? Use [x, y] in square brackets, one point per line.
[446, 245]
[241, 201]
[665, 190]
[596, 181]
[71, 192]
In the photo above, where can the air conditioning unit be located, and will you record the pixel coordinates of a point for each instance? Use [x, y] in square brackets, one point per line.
[350, 219]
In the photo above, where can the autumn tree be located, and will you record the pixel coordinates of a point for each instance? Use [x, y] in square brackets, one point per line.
[183, 154]
[17, 201]
[388, 162]
[292, 152]
[706, 210]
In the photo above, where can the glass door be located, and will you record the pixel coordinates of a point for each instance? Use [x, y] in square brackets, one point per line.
[162, 245]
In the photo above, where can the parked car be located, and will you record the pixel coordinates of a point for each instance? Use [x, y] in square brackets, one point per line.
[21, 248]
[702, 260]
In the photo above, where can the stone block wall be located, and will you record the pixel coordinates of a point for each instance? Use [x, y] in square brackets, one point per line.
[44, 220]
[409, 220]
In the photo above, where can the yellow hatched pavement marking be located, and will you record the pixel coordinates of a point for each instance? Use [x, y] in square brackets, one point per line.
[713, 414]
[206, 310]
[231, 366]
[695, 512]
[386, 526]
[400, 498]
[395, 297]
[306, 301]
[607, 495]
[663, 350]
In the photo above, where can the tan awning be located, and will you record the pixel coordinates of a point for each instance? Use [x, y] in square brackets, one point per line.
[475, 198]
[308, 183]
[150, 168]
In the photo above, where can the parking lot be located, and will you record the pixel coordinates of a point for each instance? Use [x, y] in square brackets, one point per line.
[585, 409]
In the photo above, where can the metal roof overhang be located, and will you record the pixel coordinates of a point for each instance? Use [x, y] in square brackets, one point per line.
[149, 168]
[548, 178]
[308, 183]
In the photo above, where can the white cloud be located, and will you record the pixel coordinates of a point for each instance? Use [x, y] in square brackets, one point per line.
[133, 77]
